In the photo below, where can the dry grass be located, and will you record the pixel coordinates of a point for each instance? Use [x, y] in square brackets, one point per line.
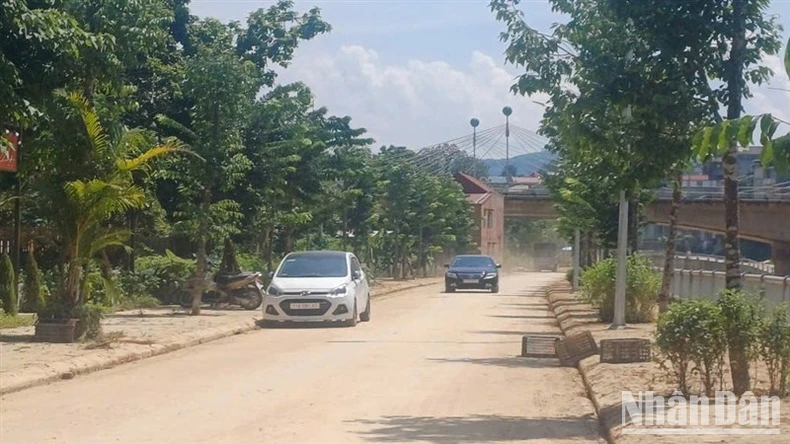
[20, 320]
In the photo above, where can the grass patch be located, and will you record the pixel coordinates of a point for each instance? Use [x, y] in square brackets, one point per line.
[21, 320]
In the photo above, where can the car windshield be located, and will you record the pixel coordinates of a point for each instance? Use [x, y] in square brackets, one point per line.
[314, 265]
[474, 262]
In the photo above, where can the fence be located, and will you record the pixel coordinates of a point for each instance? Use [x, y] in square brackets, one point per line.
[708, 263]
[704, 284]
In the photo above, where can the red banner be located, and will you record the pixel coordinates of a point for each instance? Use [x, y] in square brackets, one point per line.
[9, 152]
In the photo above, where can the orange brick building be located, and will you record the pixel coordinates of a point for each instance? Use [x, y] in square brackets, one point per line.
[489, 212]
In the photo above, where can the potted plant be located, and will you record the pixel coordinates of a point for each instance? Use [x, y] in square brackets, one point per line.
[86, 207]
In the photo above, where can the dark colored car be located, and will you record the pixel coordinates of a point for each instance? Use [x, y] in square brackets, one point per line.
[472, 272]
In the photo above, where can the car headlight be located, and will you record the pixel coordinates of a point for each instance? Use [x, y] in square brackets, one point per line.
[489, 276]
[274, 291]
[339, 291]
[451, 274]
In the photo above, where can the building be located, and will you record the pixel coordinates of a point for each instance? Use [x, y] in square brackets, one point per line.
[489, 213]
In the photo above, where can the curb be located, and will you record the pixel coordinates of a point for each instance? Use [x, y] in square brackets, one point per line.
[564, 287]
[83, 365]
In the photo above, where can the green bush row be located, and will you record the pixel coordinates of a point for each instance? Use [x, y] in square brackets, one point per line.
[642, 286]
[696, 336]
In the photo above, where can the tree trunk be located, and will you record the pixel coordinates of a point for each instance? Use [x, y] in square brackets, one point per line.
[198, 280]
[633, 225]
[739, 362]
[106, 266]
[728, 161]
[669, 259]
[589, 260]
[132, 215]
[229, 263]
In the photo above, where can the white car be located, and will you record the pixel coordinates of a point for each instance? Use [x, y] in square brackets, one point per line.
[318, 286]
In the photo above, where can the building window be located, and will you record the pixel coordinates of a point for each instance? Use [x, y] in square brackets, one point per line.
[489, 219]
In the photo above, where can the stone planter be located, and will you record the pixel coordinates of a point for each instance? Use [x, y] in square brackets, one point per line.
[57, 331]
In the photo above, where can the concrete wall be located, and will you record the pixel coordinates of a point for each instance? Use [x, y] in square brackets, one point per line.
[490, 240]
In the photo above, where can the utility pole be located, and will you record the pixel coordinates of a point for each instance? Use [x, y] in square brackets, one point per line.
[622, 261]
[507, 111]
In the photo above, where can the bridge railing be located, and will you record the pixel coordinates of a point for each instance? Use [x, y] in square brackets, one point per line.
[708, 262]
[771, 193]
[706, 285]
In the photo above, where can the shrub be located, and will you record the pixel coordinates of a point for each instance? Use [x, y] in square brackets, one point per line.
[35, 291]
[642, 286]
[742, 314]
[8, 290]
[690, 335]
[250, 262]
[708, 342]
[674, 334]
[569, 276]
[775, 349]
[157, 273]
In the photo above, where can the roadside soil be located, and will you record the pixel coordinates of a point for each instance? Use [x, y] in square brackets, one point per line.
[609, 380]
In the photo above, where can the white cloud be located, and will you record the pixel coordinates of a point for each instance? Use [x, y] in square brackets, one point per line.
[773, 97]
[419, 102]
[416, 103]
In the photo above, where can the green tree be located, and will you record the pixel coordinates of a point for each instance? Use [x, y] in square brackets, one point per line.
[721, 40]
[8, 293]
[88, 204]
[35, 291]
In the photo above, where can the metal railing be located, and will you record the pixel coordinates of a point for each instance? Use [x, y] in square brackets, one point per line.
[770, 193]
[701, 284]
[708, 262]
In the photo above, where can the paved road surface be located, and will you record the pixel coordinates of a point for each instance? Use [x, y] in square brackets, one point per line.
[429, 368]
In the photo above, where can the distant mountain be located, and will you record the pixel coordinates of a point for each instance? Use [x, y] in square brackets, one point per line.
[525, 164]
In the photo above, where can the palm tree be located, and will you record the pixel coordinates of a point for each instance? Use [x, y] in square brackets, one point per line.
[90, 203]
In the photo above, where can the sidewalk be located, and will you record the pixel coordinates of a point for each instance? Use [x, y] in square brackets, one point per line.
[605, 382]
[134, 335]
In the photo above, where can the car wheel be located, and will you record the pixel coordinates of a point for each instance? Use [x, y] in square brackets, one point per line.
[365, 315]
[495, 289]
[353, 321]
[449, 290]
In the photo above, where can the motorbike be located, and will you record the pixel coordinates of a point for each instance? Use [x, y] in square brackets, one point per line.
[244, 289]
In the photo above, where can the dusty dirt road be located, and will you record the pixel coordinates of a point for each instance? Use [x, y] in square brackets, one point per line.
[429, 368]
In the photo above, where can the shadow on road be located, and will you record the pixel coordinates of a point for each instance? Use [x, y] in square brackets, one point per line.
[508, 362]
[360, 341]
[13, 338]
[525, 304]
[476, 429]
[521, 317]
[511, 332]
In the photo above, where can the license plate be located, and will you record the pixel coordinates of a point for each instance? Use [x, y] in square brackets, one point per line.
[470, 281]
[305, 306]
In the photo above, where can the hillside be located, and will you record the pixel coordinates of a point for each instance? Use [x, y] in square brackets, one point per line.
[525, 164]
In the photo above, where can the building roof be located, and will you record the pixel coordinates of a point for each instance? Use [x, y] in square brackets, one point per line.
[477, 198]
[472, 185]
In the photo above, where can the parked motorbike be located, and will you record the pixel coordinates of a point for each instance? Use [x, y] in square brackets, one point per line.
[243, 289]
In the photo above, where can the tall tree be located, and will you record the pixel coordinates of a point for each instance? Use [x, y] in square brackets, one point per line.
[718, 40]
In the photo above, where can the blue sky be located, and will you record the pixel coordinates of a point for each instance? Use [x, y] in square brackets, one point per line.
[413, 72]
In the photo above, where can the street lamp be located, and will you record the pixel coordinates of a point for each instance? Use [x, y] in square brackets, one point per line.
[621, 279]
[507, 111]
[475, 123]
